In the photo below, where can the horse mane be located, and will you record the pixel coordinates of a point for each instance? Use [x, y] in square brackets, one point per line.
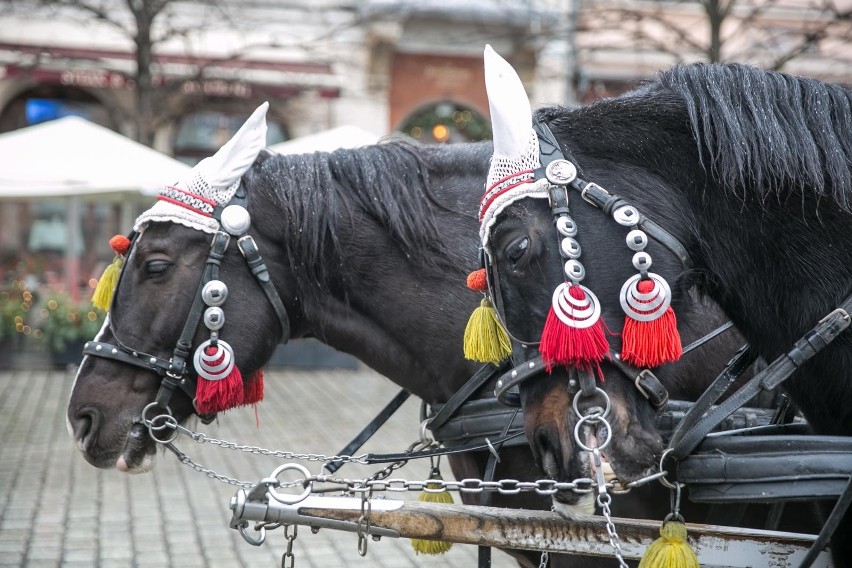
[767, 131]
[390, 182]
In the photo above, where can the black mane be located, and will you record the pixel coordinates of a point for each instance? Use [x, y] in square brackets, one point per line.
[758, 133]
[392, 183]
[772, 133]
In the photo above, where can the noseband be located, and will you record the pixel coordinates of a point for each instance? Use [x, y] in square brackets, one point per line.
[234, 221]
[561, 174]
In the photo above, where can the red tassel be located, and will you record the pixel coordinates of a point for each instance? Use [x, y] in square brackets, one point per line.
[650, 343]
[253, 392]
[562, 344]
[216, 396]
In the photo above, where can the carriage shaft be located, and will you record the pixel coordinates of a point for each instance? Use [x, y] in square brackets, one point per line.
[534, 530]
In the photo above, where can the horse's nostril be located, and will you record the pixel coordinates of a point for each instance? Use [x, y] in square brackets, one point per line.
[85, 425]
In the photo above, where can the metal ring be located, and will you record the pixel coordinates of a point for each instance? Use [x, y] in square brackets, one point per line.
[206, 370]
[169, 421]
[592, 419]
[663, 480]
[598, 390]
[145, 410]
[287, 498]
[640, 312]
[252, 541]
[565, 312]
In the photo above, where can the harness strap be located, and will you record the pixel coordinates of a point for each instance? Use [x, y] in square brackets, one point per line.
[737, 365]
[645, 381]
[404, 456]
[248, 247]
[778, 371]
[606, 201]
[176, 374]
[367, 432]
[464, 394]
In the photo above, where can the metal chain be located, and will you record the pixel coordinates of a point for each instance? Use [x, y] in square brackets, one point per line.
[202, 438]
[379, 481]
[288, 554]
[364, 522]
[604, 500]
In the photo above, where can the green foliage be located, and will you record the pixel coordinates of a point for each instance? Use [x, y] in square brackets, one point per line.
[15, 304]
[63, 320]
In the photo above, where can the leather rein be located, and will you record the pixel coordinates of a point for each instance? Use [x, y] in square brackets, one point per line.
[176, 372]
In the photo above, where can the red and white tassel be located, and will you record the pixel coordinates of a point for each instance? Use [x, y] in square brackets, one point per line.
[573, 333]
[219, 394]
[649, 338]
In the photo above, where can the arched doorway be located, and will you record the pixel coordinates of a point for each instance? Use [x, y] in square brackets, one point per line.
[446, 122]
[48, 102]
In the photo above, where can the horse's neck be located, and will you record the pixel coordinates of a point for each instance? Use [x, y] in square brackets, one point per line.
[777, 270]
[403, 319]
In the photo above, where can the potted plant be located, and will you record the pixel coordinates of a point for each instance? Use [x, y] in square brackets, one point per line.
[66, 324]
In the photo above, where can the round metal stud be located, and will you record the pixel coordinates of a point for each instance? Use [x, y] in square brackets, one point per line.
[236, 220]
[574, 270]
[626, 215]
[637, 240]
[570, 248]
[214, 318]
[560, 172]
[641, 261]
[566, 226]
[214, 293]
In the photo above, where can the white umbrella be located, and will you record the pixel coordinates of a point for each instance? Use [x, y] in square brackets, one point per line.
[346, 136]
[72, 156]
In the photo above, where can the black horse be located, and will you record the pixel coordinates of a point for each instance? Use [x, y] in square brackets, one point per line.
[750, 171]
[368, 250]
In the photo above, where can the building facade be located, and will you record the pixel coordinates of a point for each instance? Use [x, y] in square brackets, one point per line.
[385, 66]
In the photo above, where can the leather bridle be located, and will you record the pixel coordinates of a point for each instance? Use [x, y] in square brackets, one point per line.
[524, 369]
[176, 372]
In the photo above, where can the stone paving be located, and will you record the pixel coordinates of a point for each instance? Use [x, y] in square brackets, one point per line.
[56, 510]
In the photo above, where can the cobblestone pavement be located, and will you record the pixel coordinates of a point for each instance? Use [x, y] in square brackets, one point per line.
[56, 510]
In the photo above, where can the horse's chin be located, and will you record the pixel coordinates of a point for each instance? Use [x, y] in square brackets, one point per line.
[139, 453]
[574, 506]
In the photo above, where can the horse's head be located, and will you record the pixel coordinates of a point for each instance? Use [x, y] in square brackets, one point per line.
[190, 322]
[560, 272]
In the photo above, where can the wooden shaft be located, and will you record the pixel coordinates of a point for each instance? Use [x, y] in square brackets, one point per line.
[541, 530]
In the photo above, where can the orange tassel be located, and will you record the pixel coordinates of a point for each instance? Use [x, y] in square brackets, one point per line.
[562, 344]
[650, 343]
[120, 244]
[477, 281]
[215, 396]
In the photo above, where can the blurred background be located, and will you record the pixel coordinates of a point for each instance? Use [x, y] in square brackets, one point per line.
[102, 101]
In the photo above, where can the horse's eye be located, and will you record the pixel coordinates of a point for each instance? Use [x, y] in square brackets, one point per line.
[156, 268]
[518, 249]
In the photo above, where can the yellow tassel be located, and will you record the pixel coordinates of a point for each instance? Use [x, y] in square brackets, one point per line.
[485, 340]
[106, 285]
[670, 550]
[420, 545]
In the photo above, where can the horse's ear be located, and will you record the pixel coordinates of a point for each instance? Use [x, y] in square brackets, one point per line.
[511, 115]
[226, 167]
